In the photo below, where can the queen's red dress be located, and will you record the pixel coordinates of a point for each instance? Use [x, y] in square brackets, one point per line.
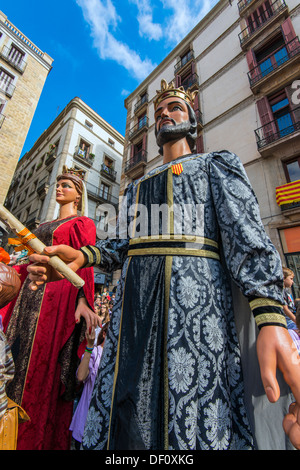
[45, 343]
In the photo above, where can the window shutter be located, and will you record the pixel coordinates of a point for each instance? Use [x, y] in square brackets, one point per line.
[266, 117]
[177, 81]
[144, 145]
[131, 151]
[199, 144]
[290, 37]
[252, 64]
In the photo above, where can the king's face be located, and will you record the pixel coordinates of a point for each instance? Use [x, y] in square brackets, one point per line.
[170, 112]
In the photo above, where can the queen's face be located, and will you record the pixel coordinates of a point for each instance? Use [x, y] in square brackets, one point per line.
[66, 192]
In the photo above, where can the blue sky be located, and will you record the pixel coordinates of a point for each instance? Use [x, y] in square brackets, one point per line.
[102, 49]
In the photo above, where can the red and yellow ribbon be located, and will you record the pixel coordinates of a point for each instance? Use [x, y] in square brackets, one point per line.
[4, 256]
[21, 242]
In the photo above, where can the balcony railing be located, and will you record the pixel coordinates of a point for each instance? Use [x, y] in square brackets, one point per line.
[274, 61]
[142, 124]
[109, 172]
[140, 103]
[242, 4]
[140, 157]
[51, 156]
[15, 60]
[84, 156]
[275, 8]
[7, 88]
[2, 117]
[100, 196]
[183, 61]
[190, 81]
[273, 131]
[43, 186]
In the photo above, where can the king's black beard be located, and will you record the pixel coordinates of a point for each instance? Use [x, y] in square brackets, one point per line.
[172, 132]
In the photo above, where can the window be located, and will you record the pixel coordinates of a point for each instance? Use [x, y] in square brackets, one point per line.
[104, 190]
[186, 57]
[142, 121]
[103, 222]
[88, 124]
[279, 116]
[6, 82]
[292, 169]
[108, 162]
[84, 149]
[16, 56]
[144, 98]
[259, 16]
[273, 53]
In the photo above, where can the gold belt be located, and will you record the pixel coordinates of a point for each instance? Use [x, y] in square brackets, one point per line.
[188, 245]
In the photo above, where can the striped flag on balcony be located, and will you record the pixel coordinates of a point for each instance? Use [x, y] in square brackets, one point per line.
[288, 193]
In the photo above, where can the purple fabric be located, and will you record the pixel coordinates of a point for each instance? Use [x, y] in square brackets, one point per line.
[295, 337]
[79, 417]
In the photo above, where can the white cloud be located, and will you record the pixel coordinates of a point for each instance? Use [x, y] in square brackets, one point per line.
[147, 28]
[177, 19]
[103, 19]
[185, 15]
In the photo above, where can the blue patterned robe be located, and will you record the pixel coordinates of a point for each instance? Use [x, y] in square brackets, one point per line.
[171, 371]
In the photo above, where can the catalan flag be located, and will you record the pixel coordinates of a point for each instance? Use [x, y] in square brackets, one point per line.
[288, 193]
[177, 169]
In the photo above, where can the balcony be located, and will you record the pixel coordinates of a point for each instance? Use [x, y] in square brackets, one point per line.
[33, 221]
[43, 186]
[15, 60]
[7, 88]
[136, 164]
[281, 59]
[142, 125]
[2, 117]
[84, 156]
[199, 117]
[108, 172]
[142, 102]
[278, 131]
[190, 81]
[51, 155]
[277, 9]
[243, 5]
[95, 193]
[186, 59]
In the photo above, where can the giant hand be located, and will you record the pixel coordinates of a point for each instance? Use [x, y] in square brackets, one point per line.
[275, 348]
[41, 272]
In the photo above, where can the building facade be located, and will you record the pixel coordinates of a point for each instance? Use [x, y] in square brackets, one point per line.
[23, 72]
[78, 138]
[243, 58]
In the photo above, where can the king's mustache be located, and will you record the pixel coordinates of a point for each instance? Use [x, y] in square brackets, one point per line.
[167, 120]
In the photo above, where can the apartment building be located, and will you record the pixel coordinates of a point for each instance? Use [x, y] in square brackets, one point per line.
[78, 138]
[23, 71]
[243, 58]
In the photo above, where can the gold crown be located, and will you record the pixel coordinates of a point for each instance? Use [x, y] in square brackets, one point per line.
[73, 171]
[169, 90]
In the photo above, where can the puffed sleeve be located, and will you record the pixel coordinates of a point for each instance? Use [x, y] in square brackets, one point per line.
[252, 260]
[110, 254]
[83, 232]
